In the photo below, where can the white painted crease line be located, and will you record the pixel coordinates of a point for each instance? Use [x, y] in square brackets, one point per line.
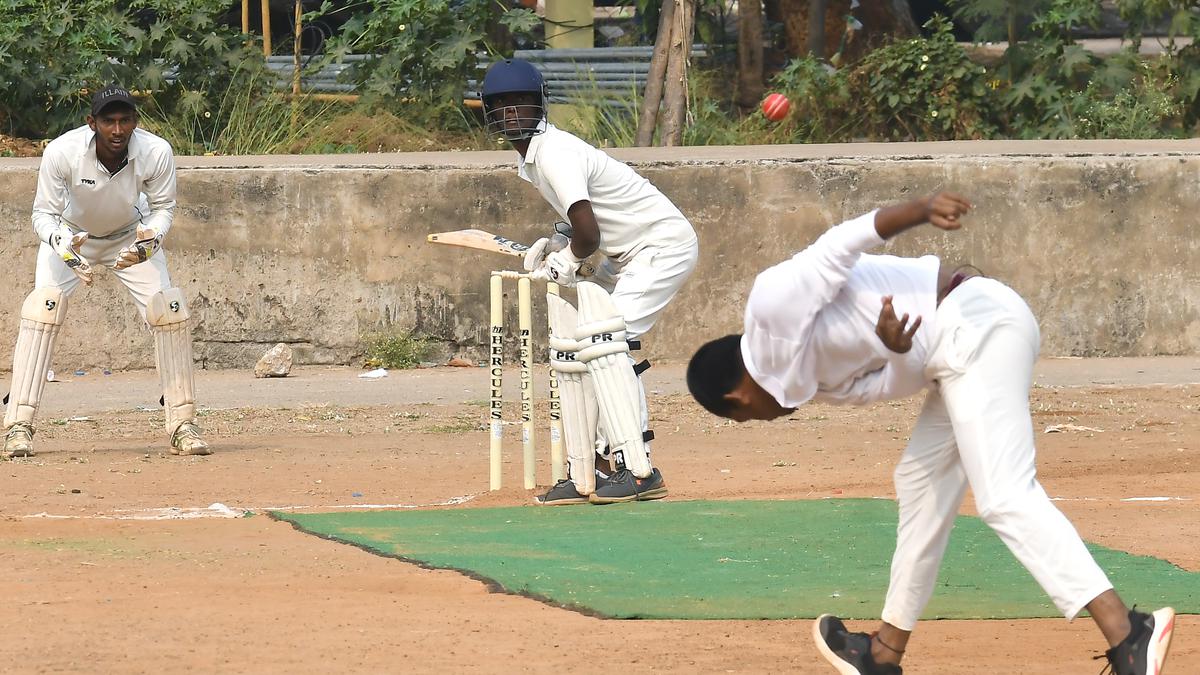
[219, 510]
[1121, 499]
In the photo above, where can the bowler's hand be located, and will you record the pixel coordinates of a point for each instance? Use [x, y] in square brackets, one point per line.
[895, 333]
[942, 210]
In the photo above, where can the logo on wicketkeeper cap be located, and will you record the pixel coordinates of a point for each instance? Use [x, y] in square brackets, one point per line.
[113, 93]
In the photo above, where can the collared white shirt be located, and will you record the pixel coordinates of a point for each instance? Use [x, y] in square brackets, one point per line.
[73, 186]
[630, 211]
[810, 321]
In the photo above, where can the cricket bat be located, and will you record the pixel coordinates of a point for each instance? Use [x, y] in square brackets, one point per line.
[481, 240]
[486, 241]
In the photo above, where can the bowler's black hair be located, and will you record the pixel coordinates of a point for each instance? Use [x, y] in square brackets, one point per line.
[714, 371]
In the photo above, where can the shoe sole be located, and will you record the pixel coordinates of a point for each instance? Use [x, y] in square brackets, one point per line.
[1160, 639]
[193, 453]
[836, 661]
[560, 502]
[648, 495]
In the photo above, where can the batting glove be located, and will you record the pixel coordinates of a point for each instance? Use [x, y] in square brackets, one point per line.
[562, 267]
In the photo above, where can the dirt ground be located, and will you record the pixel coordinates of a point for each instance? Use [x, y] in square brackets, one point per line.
[115, 564]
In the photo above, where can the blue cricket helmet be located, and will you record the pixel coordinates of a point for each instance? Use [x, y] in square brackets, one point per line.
[513, 76]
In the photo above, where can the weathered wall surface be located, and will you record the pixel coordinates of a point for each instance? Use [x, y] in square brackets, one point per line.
[1100, 237]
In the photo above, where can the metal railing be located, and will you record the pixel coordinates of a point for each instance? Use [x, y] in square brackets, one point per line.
[605, 74]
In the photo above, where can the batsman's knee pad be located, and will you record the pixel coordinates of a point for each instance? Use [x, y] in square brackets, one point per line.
[601, 335]
[42, 315]
[168, 316]
[576, 396]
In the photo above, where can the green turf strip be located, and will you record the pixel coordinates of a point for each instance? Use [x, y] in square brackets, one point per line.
[725, 559]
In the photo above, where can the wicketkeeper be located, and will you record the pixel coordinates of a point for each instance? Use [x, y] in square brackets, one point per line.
[649, 251]
[105, 196]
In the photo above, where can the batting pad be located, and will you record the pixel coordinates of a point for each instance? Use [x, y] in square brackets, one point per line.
[601, 336]
[42, 315]
[577, 400]
[725, 560]
[167, 313]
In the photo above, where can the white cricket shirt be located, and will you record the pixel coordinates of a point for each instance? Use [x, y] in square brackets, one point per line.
[630, 211]
[810, 321]
[73, 186]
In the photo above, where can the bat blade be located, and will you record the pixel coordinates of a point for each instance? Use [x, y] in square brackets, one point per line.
[480, 240]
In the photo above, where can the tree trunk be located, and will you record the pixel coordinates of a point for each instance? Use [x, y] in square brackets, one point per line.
[750, 53]
[652, 98]
[677, 72]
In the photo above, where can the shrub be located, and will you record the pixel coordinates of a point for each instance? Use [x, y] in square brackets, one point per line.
[396, 350]
[53, 53]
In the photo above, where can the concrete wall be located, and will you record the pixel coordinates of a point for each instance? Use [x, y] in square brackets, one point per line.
[1100, 237]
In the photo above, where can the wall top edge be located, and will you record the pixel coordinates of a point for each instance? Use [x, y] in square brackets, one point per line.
[697, 154]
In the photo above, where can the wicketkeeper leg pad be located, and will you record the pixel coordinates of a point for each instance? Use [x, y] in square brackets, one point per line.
[576, 396]
[42, 315]
[601, 335]
[167, 313]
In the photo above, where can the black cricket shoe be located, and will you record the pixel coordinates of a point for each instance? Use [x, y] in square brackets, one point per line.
[623, 486]
[562, 493]
[1144, 650]
[849, 652]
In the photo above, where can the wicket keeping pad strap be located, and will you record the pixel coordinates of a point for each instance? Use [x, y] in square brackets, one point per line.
[601, 331]
[42, 314]
[167, 313]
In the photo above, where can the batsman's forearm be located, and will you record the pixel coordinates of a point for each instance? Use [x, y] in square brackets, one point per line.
[892, 220]
[585, 231]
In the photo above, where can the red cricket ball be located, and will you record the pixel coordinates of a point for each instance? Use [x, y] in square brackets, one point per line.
[776, 106]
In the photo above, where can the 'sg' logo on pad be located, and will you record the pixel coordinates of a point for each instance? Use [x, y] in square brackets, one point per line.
[50, 305]
[175, 306]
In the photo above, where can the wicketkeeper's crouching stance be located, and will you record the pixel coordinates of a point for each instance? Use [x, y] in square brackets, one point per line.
[649, 250]
[106, 195]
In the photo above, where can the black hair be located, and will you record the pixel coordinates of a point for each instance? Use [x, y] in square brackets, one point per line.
[714, 371]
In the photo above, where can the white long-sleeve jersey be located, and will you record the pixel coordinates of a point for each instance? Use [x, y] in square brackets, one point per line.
[74, 187]
[810, 321]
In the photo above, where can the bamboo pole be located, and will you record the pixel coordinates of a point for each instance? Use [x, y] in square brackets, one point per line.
[245, 16]
[266, 27]
[296, 29]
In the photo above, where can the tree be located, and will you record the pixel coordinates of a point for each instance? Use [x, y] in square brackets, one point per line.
[750, 53]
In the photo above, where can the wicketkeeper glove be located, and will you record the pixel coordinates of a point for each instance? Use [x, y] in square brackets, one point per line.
[149, 240]
[66, 244]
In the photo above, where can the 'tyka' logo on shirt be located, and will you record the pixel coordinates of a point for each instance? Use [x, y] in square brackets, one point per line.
[89, 181]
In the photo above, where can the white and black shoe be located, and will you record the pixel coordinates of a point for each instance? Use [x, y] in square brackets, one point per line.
[1144, 650]
[849, 653]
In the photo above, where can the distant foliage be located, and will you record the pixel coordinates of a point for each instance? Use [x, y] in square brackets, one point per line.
[424, 50]
[53, 52]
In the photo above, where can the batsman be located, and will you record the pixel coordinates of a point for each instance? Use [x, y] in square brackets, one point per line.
[105, 196]
[649, 250]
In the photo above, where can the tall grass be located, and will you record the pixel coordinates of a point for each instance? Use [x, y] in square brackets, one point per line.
[249, 118]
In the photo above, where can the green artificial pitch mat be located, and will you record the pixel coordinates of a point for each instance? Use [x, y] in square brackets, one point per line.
[725, 559]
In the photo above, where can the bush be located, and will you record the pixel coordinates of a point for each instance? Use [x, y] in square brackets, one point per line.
[53, 54]
[396, 350]
[423, 51]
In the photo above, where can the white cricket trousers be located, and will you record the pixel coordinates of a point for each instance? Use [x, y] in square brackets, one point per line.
[975, 429]
[142, 280]
[644, 285]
